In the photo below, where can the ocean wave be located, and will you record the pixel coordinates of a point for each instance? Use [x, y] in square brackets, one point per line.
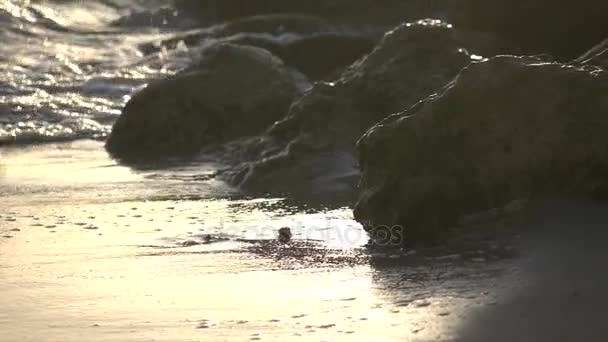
[66, 70]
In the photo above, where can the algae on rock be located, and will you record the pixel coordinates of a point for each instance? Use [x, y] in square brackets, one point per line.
[504, 129]
[235, 91]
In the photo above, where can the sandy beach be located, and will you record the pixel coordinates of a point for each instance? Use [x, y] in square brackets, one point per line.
[93, 251]
[315, 171]
[109, 260]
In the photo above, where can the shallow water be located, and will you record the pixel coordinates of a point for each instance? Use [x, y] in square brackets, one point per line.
[90, 250]
[93, 251]
[66, 71]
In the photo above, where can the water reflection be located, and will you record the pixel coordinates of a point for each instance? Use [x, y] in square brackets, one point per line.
[118, 268]
[89, 247]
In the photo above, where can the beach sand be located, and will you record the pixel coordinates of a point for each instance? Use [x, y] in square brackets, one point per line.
[93, 251]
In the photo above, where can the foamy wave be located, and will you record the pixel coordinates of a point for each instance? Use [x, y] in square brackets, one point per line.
[32, 131]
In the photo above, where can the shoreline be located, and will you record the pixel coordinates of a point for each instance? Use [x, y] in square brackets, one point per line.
[110, 270]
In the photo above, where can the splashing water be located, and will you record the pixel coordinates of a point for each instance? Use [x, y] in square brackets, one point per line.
[66, 70]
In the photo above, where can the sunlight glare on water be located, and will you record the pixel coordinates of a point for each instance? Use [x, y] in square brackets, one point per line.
[130, 261]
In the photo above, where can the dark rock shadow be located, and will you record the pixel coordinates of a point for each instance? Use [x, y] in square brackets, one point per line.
[466, 267]
[560, 293]
[541, 278]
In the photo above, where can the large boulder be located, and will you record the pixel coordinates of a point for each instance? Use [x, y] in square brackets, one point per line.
[315, 141]
[235, 91]
[564, 29]
[505, 129]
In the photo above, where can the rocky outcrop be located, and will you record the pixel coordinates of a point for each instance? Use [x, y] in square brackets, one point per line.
[597, 56]
[315, 141]
[505, 129]
[300, 24]
[565, 29]
[235, 91]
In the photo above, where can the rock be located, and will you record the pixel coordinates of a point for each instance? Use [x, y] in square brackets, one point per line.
[300, 24]
[307, 43]
[411, 62]
[527, 27]
[190, 243]
[597, 56]
[510, 210]
[312, 149]
[505, 129]
[285, 234]
[235, 91]
[362, 12]
[318, 56]
[322, 55]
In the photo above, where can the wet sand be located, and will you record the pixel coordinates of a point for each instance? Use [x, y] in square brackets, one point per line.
[560, 291]
[93, 251]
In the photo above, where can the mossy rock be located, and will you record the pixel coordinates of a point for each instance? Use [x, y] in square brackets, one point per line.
[505, 129]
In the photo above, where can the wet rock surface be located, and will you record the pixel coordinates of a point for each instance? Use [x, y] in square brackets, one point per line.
[234, 91]
[314, 144]
[361, 12]
[597, 56]
[504, 129]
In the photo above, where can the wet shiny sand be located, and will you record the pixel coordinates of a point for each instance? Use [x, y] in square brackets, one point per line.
[92, 251]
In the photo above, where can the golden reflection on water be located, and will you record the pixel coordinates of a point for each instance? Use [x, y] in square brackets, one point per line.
[62, 164]
[116, 269]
